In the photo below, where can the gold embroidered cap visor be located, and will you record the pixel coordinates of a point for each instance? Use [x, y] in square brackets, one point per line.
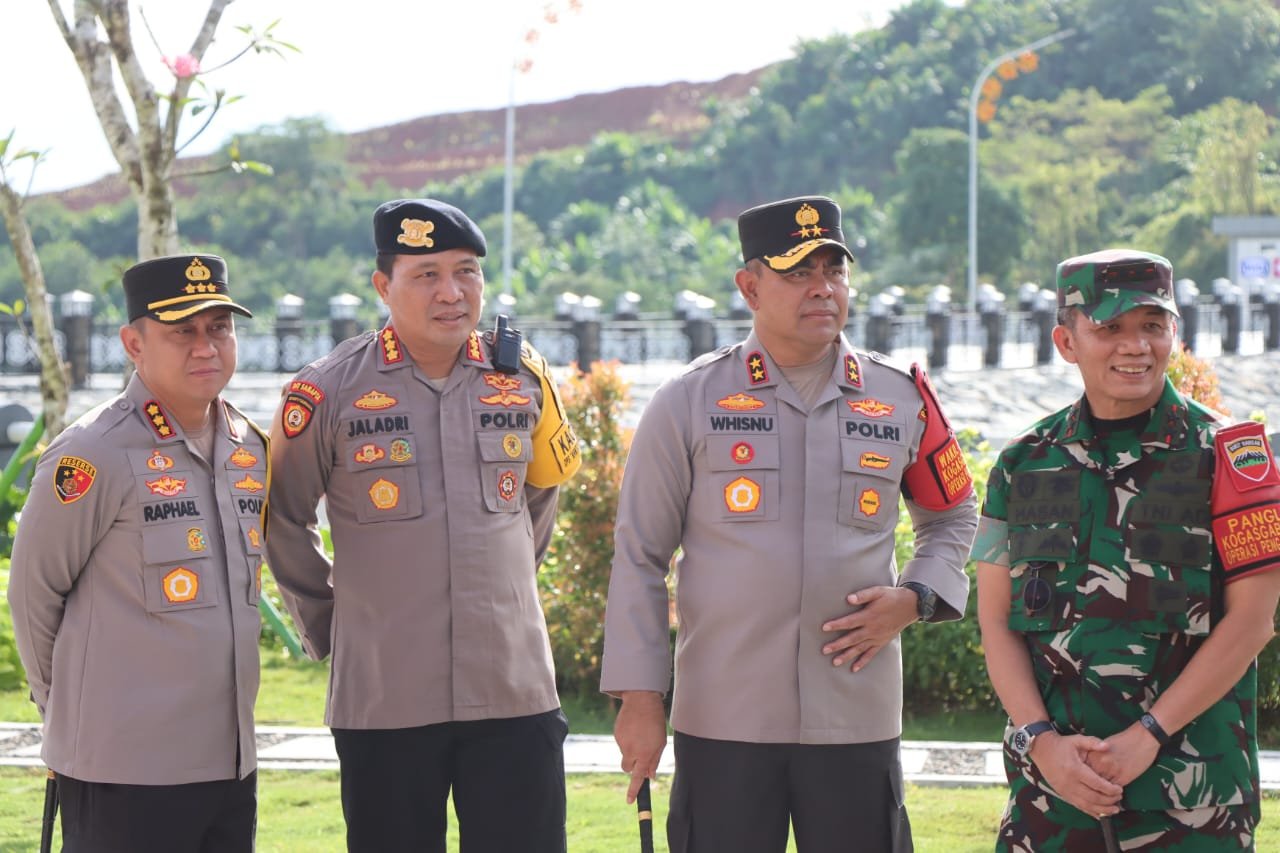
[783, 233]
[424, 226]
[173, 288]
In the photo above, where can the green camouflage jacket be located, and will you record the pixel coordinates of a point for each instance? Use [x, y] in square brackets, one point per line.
[1123, 536]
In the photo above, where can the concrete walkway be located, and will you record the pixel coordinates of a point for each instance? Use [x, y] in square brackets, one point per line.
[923, 762]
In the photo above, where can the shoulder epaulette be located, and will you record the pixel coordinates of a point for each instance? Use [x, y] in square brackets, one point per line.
[248, 421]
[533, 360]
[887, 361]
[1199, 412]
[706, 359]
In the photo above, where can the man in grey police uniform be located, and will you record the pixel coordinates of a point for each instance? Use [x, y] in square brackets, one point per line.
[776, 465]
[438, 451]
[135, 580]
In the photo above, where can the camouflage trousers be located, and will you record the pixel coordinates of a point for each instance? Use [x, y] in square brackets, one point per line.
[1036, 821]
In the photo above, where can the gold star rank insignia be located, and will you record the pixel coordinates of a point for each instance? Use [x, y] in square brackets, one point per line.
[756, 371]
[853, 370]
[391, 352]
[159, 422]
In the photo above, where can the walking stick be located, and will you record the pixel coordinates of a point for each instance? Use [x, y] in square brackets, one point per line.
[50, 812]
[644, 811]
[1109, 839]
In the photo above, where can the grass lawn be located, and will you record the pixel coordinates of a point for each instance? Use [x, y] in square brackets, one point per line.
[301, 813]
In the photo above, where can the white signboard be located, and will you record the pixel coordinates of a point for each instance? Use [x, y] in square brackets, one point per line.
[1258, 258]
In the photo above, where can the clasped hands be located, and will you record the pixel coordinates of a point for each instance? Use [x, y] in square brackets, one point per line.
[1090, 773]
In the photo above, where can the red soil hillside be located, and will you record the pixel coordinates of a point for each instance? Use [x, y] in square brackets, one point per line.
[441, 147]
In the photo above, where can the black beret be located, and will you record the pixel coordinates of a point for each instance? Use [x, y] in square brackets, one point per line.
[173, 288]
[422, 226]
[783, 233]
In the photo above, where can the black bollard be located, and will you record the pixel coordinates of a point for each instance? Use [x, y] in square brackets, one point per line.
[77, 330]
[1187, 296]
[938, 321]
[1042, 317]
[289, 333]
[343, 323]
[1271, 310]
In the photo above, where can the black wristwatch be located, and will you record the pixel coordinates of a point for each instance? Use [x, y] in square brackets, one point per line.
[926, 599]
[1024, 736]
[1152, 725]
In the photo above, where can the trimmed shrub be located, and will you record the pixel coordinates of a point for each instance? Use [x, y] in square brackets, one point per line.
[1196, 378]
[943, 668]
[574, 579]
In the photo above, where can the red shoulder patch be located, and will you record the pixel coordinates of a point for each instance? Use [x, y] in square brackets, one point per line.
[1245, 500]
[73, 478]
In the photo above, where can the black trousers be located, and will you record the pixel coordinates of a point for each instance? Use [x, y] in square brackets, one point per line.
[507, 779]
[733, 797]
[200, 817]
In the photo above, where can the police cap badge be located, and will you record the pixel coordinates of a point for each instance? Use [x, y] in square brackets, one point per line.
[173, 288]
[783, 233]
[422, 226]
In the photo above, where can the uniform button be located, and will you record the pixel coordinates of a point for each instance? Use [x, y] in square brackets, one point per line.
[122, 405]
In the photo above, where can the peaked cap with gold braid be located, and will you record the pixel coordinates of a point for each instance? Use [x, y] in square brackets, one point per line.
[783, 233]
[173, 288]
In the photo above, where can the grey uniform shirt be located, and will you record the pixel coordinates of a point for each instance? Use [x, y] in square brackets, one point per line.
[430, 606]
[134, 590]
[780, 511]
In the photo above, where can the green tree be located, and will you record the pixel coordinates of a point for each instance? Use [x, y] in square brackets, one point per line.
[1077, 163]
[144, 137]
[1227, 174]
[929, 215]
[1220, 161]
[650, 244]
[1200, 51]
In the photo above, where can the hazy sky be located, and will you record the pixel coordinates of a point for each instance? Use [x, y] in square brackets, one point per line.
[377, 62]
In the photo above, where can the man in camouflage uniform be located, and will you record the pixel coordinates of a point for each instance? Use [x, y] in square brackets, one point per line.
[1124, 589]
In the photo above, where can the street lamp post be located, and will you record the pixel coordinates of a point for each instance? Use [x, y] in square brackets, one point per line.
[974, 95]
[508, 183]
[521, 65]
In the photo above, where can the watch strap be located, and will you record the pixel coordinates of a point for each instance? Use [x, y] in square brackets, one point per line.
[1024, 736]
[1152, 725]
[1037, 728]
[926, 599]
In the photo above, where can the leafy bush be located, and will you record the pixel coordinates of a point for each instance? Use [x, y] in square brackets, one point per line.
[12, 676]
[574, 580]
[943, 668]
[1196, 378]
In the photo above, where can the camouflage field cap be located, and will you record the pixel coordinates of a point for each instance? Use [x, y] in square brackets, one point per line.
[783, 233]
[1106, 284]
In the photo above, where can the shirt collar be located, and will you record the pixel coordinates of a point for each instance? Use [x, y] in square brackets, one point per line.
[1168, 426]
